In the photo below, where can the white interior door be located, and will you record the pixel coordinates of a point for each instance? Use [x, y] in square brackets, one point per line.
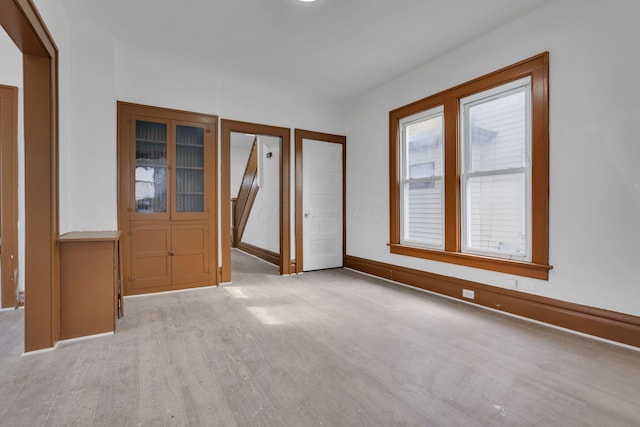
[321, 205]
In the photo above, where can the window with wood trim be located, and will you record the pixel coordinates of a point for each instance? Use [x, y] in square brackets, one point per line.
[469, 173]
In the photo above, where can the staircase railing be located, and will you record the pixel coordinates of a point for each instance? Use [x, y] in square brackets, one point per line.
[246, 196]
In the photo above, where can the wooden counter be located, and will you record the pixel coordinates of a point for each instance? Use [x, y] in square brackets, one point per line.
[90, 283]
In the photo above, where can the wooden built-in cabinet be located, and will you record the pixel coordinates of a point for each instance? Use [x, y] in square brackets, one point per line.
[167, 198]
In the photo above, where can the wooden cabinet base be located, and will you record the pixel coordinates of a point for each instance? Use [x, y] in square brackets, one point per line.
[89, 283]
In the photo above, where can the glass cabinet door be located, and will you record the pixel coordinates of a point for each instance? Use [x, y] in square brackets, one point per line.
[150, 167]
[189, 171]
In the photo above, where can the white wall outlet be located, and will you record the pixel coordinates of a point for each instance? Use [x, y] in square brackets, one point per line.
[512, 283]
[468, 293]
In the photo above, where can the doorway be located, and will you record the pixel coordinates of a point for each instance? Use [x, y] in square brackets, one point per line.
[320, 200]
[255, 195]
[25, 27]
[270, 146]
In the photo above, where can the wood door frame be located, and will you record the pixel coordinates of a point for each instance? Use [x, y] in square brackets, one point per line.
[9, 192]
[299, 135]
[228, 126]
[25, 27]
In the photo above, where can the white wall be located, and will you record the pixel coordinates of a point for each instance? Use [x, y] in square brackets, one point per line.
[91, 155]
[11, 75]
[263, 226]
[147, 79]
[143, 78]
[594, 150]
[95, 72]
[595, 186]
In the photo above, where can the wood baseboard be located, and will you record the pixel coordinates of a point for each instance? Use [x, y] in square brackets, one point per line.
[261, 253]
[601, 323]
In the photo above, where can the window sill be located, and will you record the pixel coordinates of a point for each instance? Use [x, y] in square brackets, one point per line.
[518, 268]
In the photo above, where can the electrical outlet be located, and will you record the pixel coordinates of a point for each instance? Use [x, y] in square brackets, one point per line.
[468, 293]
[512, 283]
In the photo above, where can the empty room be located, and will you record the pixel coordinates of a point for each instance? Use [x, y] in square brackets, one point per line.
[319, 213]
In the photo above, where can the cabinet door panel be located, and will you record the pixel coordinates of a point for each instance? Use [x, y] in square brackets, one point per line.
[190, 262]
[150, 260]
[151, 154]
[193, 147]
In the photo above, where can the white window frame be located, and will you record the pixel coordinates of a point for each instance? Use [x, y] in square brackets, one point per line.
[404, 179]
[464, 104]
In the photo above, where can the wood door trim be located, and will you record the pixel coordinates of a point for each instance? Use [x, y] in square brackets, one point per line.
[228, 126]
[9, 192]
[25, 27]
[299, 135]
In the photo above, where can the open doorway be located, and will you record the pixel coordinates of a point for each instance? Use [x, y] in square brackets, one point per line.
[255, 193]
[25, 28]
[11, 319]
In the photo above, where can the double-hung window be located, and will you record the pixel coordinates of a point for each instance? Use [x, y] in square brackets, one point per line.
[469, 173]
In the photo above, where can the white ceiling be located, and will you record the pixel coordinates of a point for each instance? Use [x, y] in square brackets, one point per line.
[330, 49]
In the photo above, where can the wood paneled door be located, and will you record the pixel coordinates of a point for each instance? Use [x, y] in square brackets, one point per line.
[167, 198]
[9, 195]
[320, 200]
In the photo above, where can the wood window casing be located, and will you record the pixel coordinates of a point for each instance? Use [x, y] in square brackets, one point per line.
[537, 68]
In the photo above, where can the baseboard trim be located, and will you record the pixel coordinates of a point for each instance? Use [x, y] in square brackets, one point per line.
[12, 308]
[62, 342]
[264, 254]
[171, 291]
[610, 325]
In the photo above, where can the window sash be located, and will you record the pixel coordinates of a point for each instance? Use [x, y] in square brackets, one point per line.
[406, 180]
[501, 91]
[406, 238]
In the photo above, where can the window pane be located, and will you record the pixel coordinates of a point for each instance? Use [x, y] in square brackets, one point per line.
[497, 133]
[151, 167]
[496, 214]
[189, 169]
[423, 140]
[423, 213]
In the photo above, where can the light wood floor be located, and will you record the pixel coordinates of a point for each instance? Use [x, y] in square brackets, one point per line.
[329, 348]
